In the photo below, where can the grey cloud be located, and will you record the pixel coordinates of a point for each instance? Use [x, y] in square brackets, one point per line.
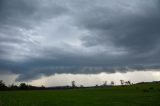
[26, 13]
[127, 31]
[18, 18]
[137, 33]
[67, 63]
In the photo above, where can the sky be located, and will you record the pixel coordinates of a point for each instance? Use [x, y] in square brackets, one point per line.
[52, 42]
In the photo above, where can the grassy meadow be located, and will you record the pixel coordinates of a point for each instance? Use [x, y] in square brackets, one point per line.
[133, 95]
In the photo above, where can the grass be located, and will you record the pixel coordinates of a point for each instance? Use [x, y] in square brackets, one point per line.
[135, 95]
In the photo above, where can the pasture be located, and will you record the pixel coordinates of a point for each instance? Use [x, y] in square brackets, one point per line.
[133, 95]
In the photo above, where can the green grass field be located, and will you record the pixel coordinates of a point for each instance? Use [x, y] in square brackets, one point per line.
[134, 95]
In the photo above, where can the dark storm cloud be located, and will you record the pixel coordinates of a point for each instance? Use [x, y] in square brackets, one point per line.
[19, 16]
[121, 36]
[135, 31]
[26, 13]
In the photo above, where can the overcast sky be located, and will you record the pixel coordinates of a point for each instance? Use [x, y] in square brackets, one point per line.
[41, 38]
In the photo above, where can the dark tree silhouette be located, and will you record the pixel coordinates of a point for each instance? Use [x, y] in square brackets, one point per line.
[2, 85]
[14, 86]
[127, 83]
[122, 82]
[105, 83]
[97, 85]
[73, 84]
[23, 86]
[112, 83]
[43, 87]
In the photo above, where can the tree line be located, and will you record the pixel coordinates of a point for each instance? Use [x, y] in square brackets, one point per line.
[24, 86]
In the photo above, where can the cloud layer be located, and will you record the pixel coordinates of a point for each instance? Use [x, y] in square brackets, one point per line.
[44, 37]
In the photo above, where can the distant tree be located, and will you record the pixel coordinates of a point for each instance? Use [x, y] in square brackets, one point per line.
[2, 85]
[73, 84]
[112, 83]
[127, 83]
[23, 86]
[14, 86]
[122, 82]
[105, 83]
[43, 87]
[97, 85]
